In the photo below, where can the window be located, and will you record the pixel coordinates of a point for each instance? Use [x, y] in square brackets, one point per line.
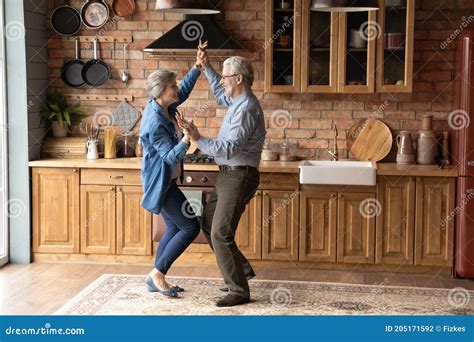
[3, 150]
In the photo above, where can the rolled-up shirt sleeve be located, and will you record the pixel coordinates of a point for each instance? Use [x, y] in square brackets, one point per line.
[240, 129]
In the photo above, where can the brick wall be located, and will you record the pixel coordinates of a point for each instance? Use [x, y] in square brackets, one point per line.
[311, 114]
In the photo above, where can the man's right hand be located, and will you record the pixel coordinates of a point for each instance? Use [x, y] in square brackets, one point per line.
[202, 56]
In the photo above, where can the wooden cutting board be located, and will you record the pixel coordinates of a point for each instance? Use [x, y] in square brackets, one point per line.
[373, 142]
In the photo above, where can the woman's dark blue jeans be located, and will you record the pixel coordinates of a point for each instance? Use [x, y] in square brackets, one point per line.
[181, 229]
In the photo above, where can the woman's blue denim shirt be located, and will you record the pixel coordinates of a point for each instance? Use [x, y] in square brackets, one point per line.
[162, 150]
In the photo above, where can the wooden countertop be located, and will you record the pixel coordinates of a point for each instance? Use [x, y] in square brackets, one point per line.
[383, 169]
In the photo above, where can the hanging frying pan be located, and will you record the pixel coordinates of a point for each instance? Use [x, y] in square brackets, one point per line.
[71, 72]
[123, 8]
[65, 20]
[95, 72]
[94, 13]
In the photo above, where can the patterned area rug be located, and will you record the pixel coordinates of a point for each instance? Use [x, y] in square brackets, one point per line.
[113, 294]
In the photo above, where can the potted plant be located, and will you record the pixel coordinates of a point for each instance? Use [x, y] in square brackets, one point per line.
[61, 114]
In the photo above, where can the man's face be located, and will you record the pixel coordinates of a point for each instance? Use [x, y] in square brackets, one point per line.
[228, 80]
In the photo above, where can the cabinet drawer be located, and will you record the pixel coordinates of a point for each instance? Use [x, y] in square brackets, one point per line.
[279, 181]
[110, 177]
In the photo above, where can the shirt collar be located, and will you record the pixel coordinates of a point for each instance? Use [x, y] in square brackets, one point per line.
[242, 97]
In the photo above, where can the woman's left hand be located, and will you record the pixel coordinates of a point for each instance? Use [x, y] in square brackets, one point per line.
[182, 123]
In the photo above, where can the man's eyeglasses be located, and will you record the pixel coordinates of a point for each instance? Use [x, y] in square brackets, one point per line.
[225, 76]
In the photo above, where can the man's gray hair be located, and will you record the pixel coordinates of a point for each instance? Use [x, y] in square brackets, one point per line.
[241, 65]
[157, 82]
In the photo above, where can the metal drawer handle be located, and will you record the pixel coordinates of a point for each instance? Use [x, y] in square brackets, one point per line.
[470, 163]
[116, 177]
[470, 191]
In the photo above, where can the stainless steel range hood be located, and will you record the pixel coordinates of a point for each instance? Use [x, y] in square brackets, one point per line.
[183, 39]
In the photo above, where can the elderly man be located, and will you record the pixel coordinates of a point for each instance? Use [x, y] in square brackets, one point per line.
[237, 150]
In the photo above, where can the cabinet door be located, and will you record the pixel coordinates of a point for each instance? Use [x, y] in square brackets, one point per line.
[133, 222]
[98, 219]
[319, 50]
[356, 52]
[396, 221]
[433, 229]
[318, 222]
[356, 227]
[249, 232]
[395, 51]
[282, 47]
[55, 210]
[280, 225]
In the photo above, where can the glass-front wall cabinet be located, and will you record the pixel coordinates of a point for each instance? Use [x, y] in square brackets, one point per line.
[395, 46]
[282, 44]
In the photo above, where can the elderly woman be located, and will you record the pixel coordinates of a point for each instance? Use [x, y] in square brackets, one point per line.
[164, 148]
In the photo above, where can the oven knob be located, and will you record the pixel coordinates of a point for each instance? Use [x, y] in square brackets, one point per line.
[189, 179]
[204, 179]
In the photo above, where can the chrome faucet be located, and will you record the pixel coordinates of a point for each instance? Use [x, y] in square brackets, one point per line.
[334, 153]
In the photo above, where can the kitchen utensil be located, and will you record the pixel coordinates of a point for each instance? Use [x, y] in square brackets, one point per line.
[92, 152]
[66, 20]
[269, 151]
[373, 142]
[284, 40]
[394, 40]
[123, 8]
[356, 39]
[127, 149]
[126, 116]
[405, 153]
[285, 4]
[445, 148]
[71, 72]
[426, 143]
[389, 3]
[95, 72]
[124, 74]
[94, 14]
[139, 148]
[110, 148]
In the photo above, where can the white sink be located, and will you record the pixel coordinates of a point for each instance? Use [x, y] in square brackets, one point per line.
[347, 172]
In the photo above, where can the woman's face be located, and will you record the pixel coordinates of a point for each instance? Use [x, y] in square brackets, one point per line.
[170, 94]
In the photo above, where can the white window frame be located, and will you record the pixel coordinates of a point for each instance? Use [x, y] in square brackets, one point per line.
[3, 145]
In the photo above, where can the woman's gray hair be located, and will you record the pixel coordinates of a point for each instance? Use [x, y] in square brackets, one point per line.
[241, 65]
[157, 82]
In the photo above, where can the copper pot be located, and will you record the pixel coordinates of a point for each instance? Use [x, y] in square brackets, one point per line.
[186, 6]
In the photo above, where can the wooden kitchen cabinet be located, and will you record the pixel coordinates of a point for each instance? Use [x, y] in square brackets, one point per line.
[355, 228]
[395, 228]
[133, 222]
[337, 50]
[435, 199]
[395, 57]
[112, 219]
[282, 47]
[318, 224]
[356, 63]
[248, 236]
[98, 234]
[319, 39]
[280, 225]
[55, 199]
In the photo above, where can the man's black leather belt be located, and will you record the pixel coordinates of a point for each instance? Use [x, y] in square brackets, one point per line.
[238, 167]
